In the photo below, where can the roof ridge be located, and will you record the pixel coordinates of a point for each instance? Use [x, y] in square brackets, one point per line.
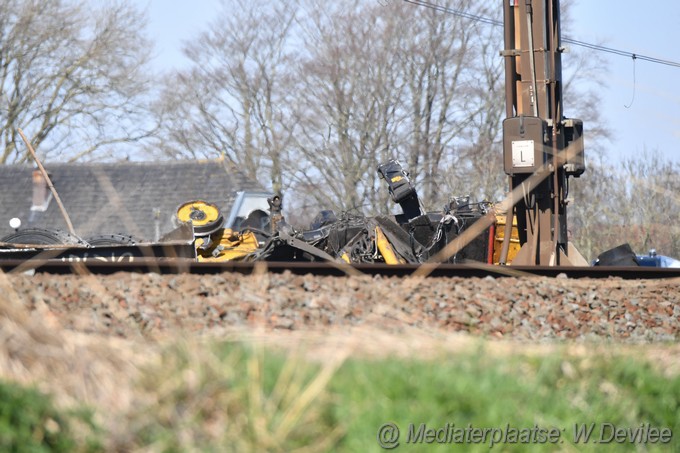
[119, 163]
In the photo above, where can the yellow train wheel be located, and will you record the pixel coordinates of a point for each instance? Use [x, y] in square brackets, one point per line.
[205, 217]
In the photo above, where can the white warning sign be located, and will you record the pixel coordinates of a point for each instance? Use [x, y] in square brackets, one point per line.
[522, 153]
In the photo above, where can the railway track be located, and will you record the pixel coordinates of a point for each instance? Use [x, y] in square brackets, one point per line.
[478, 270]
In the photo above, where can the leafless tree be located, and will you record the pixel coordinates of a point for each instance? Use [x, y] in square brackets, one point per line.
[473, 163]
[233, 99]
[72, 76]
[447, 92]
[635, 201]
[595, 221]
[311, 96]
[348, 91]
[652, 188]
[395, 80]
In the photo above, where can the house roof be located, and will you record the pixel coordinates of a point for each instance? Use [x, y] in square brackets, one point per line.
[133, 198]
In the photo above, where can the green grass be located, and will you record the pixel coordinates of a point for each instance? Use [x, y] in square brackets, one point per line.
[233, 397]
[29, 422]
[230, 398]
[489, 392]
[264, 401]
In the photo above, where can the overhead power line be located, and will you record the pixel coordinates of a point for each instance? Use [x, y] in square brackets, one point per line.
[446, 9]
[575, 42]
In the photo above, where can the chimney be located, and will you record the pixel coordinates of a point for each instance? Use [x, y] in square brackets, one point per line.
[41, 193]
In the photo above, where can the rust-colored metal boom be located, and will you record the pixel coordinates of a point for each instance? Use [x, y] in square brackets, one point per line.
[536, 136]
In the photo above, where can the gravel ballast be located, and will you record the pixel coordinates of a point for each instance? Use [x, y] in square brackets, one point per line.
[536, 309]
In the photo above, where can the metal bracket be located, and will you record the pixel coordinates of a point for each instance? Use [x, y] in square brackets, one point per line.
[305, 247]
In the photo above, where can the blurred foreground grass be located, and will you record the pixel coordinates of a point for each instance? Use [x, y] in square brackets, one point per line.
[30, 422]
[226, 396]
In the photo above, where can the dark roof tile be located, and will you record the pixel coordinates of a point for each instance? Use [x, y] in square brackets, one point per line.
[120, 197]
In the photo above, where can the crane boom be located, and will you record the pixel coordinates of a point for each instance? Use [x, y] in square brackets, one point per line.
[541, 147]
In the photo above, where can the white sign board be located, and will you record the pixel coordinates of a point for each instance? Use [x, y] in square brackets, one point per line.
[522, 153]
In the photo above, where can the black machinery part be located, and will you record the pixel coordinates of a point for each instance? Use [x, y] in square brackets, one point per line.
[401, 189]
[621, 255]
[41, 236]
[111, 239]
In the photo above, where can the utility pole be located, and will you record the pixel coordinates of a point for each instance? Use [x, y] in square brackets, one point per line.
[541, 148]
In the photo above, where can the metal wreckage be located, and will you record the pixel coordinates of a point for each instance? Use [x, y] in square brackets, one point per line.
[412, 237]
[252, 232]
[542, 149]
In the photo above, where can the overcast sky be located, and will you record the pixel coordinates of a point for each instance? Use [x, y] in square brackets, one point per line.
[650, 28]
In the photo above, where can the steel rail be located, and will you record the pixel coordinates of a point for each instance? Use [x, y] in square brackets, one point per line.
[469, 270]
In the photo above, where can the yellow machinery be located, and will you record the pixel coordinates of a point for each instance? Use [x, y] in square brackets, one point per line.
[499, 237]
[226, 245]
[385, 248]
[213, 241]
[205, 217]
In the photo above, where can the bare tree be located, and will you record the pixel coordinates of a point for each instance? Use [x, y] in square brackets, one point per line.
[595, 210]
[312, 96]
[233, 99]
[394, 81]
[71, 76]
[635, 201]
[347, 96]
[652, 184]
[464, 140]
[445, 78]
